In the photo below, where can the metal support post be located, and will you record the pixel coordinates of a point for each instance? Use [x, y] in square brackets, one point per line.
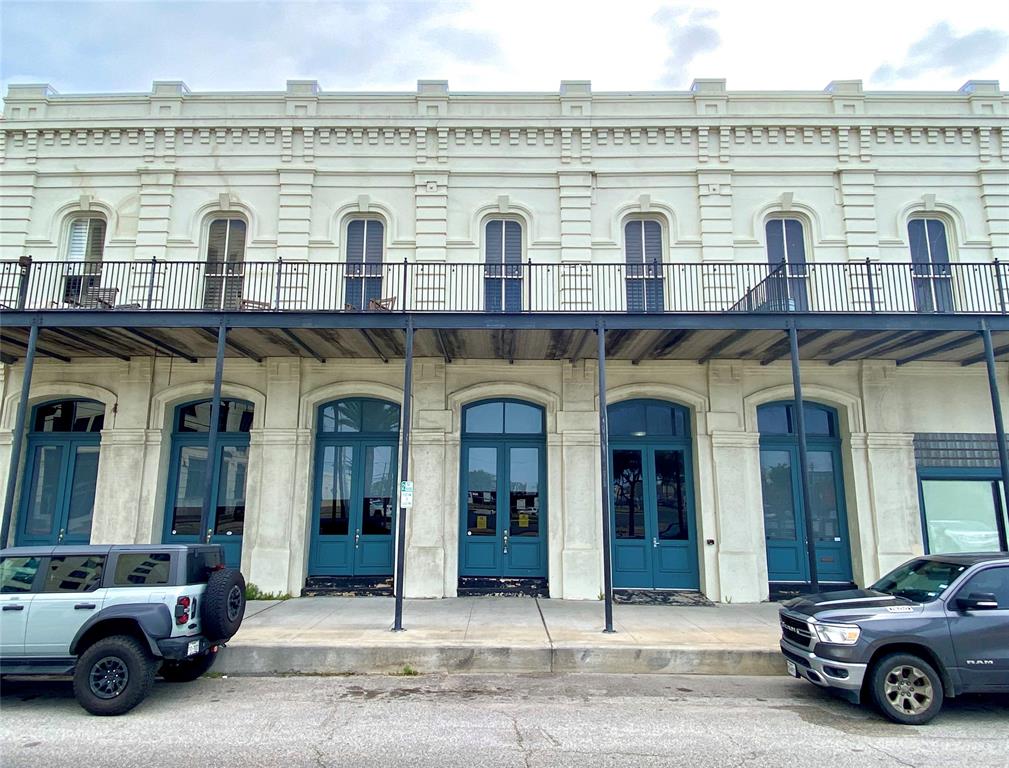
[215, 418]
[996, 405]
[18, 436]
[604, 466]
[800, 430]
[404, 474]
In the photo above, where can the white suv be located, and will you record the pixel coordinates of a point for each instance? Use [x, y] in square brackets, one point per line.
[116, 616]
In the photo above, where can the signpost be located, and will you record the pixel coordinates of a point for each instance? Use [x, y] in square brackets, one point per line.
[406, 494]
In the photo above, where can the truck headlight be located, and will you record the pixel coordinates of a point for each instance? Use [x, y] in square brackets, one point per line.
[838, 634]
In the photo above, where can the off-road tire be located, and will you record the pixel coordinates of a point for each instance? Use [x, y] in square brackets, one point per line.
[223, 604]
[114, 675]
[906, 688]
[187, 670]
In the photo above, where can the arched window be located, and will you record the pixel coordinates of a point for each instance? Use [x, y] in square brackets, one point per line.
[933, 288]
[365, 254]
[786, 255]
[83, 272]
[643, 253]
[225, 277]
[228, 470]
[503, 266]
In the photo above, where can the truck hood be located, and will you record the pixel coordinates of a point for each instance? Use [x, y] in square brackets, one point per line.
[851, 605]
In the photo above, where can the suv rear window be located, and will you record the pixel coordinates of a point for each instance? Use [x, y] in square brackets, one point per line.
[201, 562]
[74, 573]
[17, 574]
[142, 569]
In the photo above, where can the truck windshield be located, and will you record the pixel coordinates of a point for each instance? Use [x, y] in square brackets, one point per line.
[919, 580]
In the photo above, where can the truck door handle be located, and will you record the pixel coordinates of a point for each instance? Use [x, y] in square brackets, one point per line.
[14, 607]
[84, 607]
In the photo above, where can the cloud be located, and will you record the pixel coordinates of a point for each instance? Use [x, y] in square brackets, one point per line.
[240, 45]
[688, 35]
[942, 51]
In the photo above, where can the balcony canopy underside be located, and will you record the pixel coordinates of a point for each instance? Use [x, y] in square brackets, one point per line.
[66, 335]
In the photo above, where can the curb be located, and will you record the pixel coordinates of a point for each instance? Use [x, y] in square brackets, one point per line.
[347, 660]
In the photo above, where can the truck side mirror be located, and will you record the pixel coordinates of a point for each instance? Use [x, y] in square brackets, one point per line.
[977, 601]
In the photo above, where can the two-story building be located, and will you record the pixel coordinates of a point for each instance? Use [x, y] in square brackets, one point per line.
[583, 319]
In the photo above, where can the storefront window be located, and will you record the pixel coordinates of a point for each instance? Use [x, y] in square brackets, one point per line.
[961, 514]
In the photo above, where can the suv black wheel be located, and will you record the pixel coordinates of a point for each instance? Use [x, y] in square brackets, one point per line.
[223, 604]
[113, 675]
[906, 688]
[187, 670]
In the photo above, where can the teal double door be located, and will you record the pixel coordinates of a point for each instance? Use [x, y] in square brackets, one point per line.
[57, 504]
[354, 513]
[654, 531]
[503, 526]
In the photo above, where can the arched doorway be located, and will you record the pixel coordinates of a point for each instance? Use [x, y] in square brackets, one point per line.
[354, 509]
[784, 519]
[60, 472]
[654, 529]
[503, 506]
[188, 470]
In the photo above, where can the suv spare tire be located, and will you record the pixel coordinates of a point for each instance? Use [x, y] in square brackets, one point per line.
[223, 605]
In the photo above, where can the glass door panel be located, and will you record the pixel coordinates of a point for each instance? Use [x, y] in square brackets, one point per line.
[524, 492]
[229, 516]
[629, 501]
[42, 511]
[671, 496]
[379, 490]
[830, 538]
[190, 481]
[481, 491]
[786, 551]
[334, 499]
[81, 504]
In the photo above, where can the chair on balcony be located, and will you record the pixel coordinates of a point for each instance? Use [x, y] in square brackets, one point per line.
[258, 306]
[383, 305]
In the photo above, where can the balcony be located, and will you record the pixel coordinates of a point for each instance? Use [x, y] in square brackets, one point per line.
[525, 288]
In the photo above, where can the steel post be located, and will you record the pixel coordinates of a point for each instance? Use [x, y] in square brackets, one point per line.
[604, 466]
[800, 430]
[18, 436]
[996, 405]
[404, 474]
[215, 418]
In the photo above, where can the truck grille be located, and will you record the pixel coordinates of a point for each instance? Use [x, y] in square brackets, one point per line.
[796, 631]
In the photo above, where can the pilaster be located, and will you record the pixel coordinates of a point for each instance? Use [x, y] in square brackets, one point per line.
[994, 184]
[17, 196]
[154, 218]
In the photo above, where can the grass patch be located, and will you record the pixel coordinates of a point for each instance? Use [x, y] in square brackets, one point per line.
[407, 671]
[252, 592]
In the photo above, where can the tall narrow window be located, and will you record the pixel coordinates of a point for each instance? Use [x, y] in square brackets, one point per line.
[643, 253]
[786, 254]
[933, 288]
[83, 272]
[365, 239]
[503, 266]
[225, 264]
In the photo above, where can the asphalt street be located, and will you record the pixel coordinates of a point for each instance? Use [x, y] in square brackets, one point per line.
[478, 721]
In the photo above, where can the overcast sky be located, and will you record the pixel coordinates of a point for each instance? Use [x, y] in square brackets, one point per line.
[517, 45]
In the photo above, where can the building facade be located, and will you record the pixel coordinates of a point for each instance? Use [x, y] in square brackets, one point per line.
[697, 233]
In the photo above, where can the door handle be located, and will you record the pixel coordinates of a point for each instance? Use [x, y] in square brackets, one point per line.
[84, 607]
[14, 607]
[655, 541]
[505, 542]
[60, 537]
[357, 537]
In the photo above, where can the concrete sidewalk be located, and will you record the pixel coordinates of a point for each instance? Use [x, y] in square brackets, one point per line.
[334, 635]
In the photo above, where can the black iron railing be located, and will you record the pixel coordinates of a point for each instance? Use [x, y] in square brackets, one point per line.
[852, 287]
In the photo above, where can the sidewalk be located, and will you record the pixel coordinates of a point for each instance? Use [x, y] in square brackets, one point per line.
[334, 635]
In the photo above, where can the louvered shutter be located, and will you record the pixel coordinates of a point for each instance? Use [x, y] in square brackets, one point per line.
[513, 268]
[374, 240]
[77, 248]
[96, 240]
[634, 256]
[493, 257]
[652, 256]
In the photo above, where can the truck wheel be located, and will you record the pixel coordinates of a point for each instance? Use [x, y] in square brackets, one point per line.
[906, 689]
[187, 670]
[223, 604]
[113, 675]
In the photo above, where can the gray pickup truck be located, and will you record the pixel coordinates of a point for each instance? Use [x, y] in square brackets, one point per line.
[937, 626]
[114, 617]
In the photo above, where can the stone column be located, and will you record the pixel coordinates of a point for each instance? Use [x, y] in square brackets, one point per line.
[153, 222]
[294, 213]
[714, 190]
[428, 287]
[995, 199]
[17, 196]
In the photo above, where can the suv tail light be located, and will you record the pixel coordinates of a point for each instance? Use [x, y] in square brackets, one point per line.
[182, 606]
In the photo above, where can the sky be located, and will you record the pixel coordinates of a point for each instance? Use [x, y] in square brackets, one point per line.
[501, 45]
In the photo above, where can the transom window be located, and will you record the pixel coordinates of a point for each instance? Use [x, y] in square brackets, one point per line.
[236, 416]
[359, 415]
[643, 254]
[365, 245]
[503, 266]
[779, 419]
[647, 418]
[69, 416]
[503, 417]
